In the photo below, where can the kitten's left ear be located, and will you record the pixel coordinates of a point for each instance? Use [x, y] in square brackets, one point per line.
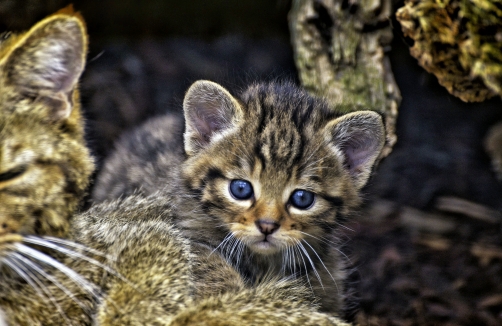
[358, 137]
[210, 112]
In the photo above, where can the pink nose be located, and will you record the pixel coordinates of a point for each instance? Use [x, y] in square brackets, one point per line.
[267, 226]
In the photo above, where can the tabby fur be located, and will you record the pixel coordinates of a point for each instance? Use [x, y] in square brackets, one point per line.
[44, 170]
[277, 139]
[122, 262]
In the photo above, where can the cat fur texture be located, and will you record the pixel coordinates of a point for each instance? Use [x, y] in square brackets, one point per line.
[120, 263]
[263, 178]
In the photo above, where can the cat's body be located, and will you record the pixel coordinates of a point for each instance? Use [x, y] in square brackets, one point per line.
[44, 166]
[122, 262]
[264, 179]
[125, 286]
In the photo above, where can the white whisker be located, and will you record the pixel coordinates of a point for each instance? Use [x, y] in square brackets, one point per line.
[227, 238]
[74, 254]
[228, 245]
[33, 266]
[292, 260]
[311, 263]
[240, 251]
[332, 244]
[323, 239]
[74, 245]
[284, 261]
[79, 280]
[11, 262]
[344, 227]
[327, 270]
[28, 263]
[234, 245]
[39, 287]
[304, 265]
[291, 263]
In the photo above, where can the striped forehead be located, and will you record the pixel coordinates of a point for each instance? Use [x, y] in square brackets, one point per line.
[280, 120]
[279, 144]
[279, 135]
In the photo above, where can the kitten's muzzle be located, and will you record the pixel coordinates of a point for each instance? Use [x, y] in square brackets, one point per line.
[267, 227]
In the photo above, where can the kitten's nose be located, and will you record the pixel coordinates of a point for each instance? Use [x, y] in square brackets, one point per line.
[267, 226]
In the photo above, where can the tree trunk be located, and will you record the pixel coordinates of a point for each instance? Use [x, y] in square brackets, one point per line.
[339, 52]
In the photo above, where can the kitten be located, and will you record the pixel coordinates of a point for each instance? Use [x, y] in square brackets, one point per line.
[264, 178]
[120, 263]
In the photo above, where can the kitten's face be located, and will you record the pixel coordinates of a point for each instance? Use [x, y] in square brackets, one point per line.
[269, 203]
[281, 166]
[44, 163]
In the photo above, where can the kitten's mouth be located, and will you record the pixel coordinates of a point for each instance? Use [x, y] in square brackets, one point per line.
[265, 246]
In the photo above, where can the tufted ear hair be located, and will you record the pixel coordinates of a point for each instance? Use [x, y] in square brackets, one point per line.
[47, 61]
[210, 113]
[358, 138]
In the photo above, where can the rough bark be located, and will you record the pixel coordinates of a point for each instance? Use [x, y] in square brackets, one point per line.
[459, 42]
[340, 55]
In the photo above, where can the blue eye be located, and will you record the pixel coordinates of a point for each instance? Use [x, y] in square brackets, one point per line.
[241, 189]
[302, 199]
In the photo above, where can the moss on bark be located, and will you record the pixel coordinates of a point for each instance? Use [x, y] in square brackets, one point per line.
[339, 53]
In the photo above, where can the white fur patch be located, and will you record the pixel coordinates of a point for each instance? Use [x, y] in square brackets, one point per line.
[3, 318]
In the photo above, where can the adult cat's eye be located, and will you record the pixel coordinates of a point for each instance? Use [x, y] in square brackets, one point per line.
[11, 174]
[302, 199]
[241, 189]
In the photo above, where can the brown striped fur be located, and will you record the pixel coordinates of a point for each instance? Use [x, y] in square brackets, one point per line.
[120, 263]
[143, 274]
[44, 163]
[279, 139]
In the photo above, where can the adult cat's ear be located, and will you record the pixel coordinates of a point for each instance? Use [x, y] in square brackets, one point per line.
[357, 137]
[47, 61]
[210, 112]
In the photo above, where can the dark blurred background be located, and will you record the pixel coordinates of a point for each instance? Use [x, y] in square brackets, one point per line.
[129, 19]
[428, 244]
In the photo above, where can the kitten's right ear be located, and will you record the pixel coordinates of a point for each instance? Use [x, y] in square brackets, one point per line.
[210, 112]
[358, 138]
[48, 60]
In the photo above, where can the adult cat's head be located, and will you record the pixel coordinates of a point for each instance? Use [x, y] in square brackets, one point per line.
[44, 163]
[276, 166]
